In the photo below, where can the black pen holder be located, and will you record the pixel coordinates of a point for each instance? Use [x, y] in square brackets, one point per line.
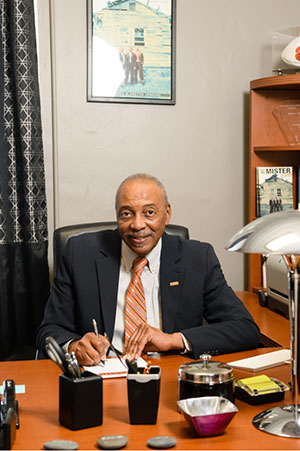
[143, 395]
[8, 429]
[80, 401]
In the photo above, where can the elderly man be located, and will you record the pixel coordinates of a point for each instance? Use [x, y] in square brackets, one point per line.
[147, 290]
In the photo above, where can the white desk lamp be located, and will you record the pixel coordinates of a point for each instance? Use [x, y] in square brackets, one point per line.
[279, 233]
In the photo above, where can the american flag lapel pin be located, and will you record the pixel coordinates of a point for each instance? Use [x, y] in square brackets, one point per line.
[174, 284]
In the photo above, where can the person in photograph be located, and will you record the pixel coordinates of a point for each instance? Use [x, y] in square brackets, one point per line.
[139, 65]
[122, 57]
[130, 67]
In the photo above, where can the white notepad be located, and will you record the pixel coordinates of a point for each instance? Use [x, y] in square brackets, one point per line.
[113, 368]
[263, 361]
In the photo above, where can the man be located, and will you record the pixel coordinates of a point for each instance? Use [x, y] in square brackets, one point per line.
[182, 282]
[122, 57]
[139, 65]
[130, 70]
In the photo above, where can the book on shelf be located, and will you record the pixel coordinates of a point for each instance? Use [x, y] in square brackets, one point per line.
[274, 189]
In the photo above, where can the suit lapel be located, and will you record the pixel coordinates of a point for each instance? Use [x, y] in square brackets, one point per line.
[171, 281]
[108, 268]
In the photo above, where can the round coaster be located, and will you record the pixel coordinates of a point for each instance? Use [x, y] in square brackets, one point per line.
[61, 444]
[112, 441]
[161, 442]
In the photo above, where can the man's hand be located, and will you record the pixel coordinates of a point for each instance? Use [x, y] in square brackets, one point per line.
[90, 349]
[146, 338]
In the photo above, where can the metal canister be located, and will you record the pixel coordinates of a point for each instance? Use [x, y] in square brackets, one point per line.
[205, 378]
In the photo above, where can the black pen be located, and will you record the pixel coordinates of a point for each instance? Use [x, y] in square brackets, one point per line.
[118, 353]
[97, 334]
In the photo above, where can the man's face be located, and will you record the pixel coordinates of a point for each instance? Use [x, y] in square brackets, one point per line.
[142, 215]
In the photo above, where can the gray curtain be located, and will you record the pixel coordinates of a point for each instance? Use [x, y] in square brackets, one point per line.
[24, 273]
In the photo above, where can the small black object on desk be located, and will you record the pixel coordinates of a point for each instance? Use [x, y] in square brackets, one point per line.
[143, 389]
[80, 401]
[9, 415]
[262, 298]
[80, 393]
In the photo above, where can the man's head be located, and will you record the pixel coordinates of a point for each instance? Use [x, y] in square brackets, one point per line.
[143, 211]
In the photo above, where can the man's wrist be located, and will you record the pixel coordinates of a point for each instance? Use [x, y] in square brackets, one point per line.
[177, 341]
[70, 346]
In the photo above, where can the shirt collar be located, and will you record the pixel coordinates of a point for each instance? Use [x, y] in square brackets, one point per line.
[128, 257]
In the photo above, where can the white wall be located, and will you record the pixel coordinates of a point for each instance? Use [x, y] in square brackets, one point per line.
[197, 148]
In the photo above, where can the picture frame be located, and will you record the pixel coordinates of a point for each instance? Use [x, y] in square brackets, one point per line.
[131, 51]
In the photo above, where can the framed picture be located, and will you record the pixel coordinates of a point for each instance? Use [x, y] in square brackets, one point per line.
[131, 51]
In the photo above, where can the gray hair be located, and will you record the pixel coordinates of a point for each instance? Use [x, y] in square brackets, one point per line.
[142, 176]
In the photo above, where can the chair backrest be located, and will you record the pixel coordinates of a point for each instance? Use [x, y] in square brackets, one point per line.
[62, 234]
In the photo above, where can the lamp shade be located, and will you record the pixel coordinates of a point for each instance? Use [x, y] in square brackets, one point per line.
[275, 233]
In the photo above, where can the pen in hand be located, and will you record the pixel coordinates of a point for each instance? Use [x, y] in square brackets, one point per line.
[97, 334]
[95, 327]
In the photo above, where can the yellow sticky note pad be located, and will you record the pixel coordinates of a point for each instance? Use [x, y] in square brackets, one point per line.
[261, 384]
[260, 389]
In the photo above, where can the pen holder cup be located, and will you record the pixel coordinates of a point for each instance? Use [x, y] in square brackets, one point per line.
[80, 401]
[143, 395]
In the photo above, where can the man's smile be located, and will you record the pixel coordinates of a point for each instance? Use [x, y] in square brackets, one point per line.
[137, 239]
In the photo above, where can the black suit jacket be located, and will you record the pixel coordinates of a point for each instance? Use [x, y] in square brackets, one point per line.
[86, 287]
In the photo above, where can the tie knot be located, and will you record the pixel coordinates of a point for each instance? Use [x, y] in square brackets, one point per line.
[139, 264]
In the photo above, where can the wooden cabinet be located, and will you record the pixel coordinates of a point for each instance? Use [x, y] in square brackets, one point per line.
[274, 138]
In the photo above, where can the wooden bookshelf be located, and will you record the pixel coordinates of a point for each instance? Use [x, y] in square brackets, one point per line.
[272, 141]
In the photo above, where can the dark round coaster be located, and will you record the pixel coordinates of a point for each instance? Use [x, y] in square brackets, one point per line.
[161, 442]
[112, 441]
[61, 444]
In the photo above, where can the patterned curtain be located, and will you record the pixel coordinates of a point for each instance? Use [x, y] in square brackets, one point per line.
[24, 273]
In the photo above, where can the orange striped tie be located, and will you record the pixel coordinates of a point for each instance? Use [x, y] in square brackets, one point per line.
[135, 310]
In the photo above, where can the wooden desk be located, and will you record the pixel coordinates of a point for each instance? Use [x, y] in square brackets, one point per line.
[39, 405]
[271, 324]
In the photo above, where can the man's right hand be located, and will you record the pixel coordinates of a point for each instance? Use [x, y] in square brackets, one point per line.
[90, 349]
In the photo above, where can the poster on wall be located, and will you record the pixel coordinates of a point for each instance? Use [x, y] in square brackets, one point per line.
[131, 51]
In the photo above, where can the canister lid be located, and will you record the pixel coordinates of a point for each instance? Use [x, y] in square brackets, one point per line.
[205, 371]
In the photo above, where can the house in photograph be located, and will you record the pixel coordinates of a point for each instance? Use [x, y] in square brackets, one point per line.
[274, 194]
[130, 24]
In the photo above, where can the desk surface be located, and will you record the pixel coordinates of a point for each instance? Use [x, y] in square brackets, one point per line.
[39, 405]
[271, 324]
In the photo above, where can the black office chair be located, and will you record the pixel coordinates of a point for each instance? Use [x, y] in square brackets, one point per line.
[62, 234]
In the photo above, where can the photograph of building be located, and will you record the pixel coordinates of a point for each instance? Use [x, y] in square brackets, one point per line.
[134, 39]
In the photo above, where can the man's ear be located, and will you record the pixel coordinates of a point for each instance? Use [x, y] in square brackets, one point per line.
[168, 214]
